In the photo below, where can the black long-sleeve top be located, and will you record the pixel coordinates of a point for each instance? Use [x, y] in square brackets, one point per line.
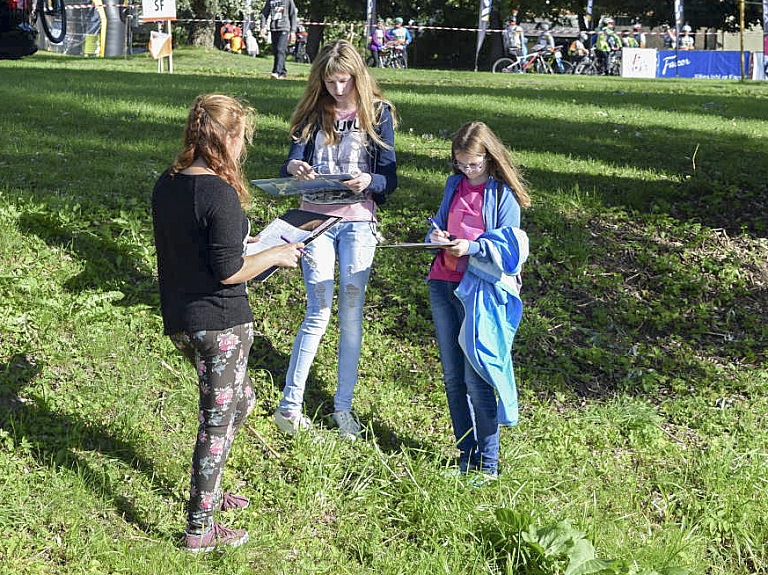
[199, 230]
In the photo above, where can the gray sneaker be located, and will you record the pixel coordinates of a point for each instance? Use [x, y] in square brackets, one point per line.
[349, 427]
[290, 423]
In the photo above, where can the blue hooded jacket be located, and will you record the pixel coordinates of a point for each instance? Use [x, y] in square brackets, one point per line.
[489, 292]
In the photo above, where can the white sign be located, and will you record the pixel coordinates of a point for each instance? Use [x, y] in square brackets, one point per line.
[152, 10]
[638, 62]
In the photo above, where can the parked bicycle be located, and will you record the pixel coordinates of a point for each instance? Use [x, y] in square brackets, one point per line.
[392, 56]
[587, 65]
[540, 62]
[51, 13]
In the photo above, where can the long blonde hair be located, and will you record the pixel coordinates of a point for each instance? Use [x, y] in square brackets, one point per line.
[318, 106]
[213, 119]
[477, 139]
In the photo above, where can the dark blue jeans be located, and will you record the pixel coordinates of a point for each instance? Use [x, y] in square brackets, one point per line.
[471, 401]
[280, 46]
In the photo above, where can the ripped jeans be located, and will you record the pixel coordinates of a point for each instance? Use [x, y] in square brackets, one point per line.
[354, 244]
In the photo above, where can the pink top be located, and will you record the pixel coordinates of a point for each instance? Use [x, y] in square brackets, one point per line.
[465, 221]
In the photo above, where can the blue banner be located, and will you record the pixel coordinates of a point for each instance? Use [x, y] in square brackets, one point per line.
[715, 65]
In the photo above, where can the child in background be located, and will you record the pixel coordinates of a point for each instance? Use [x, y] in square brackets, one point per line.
[478, 219]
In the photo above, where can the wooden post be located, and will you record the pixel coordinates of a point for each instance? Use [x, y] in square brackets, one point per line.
[741, 36]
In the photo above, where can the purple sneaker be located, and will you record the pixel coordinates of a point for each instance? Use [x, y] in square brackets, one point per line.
[216, 537]
[231, 501]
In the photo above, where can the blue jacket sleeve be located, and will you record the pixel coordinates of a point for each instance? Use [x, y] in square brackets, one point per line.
[384, 168]
[297, 151]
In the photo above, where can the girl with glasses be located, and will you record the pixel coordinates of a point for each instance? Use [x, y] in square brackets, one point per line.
[344, 124]
[478, 221]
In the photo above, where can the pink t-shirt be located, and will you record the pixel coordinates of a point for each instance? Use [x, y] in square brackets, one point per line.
[465, 221]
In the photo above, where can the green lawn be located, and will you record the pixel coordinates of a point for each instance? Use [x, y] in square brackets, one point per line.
[641, 356]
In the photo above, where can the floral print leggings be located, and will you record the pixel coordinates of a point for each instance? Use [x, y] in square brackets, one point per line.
[226, 399]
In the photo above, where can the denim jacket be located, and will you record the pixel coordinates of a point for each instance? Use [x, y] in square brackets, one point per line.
[383, 160]
[499, 209]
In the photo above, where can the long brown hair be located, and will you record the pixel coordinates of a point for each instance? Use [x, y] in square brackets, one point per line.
[317, 105]
[477, 139]
[213, 119]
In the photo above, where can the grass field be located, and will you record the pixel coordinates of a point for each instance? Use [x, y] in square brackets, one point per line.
[641, 357]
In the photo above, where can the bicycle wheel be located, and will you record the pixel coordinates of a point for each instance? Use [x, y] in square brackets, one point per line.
[567, 68]
[541, 67]
[53, 16]
[586, 68]
[502, 65]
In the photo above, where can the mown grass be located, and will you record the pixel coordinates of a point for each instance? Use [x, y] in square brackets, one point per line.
[640, 358]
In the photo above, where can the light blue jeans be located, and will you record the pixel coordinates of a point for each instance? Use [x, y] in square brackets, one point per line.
[471, 400]
[353, 244]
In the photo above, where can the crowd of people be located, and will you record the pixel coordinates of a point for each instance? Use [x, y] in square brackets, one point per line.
[343, 122]
[396, 38]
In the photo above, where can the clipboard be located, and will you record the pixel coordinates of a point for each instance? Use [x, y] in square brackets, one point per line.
[419, 245]
[293, 225]
[294, 186]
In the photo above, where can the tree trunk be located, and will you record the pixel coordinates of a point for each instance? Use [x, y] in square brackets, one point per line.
[202, 34]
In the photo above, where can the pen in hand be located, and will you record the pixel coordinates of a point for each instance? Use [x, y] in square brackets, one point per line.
[432, 221]
[302, 251]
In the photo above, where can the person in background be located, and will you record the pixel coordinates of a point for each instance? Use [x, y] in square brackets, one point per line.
[577, 50]
[628, 41]
[377, 41]
[686, 39]
[343, 123]
[514, 38]
[279, 17]
[401, 36]
[668, 37]
[602, 50]
[478, 220]
[227, 32]
[545, 42]
[639, 35]
[200, 232]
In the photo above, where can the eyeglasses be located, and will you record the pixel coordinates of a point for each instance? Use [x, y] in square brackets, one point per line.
[470, 167]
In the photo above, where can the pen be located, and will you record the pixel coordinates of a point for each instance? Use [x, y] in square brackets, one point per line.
[432, 221]
[302, 251]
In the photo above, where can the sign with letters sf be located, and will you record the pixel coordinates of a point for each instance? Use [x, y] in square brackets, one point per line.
[153, 10]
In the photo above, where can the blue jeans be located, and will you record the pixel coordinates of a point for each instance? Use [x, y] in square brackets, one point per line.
[354, 244]
[471, 401]
[280, 46]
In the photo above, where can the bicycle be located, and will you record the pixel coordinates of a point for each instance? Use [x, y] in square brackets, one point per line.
[50, 13]
[392, 57]
[300, 53]
[587, 65]
[539, 62]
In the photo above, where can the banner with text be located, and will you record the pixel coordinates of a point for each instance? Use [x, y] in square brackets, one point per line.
[370, 16]
[711, 64]
[482, 25]
[638, 62]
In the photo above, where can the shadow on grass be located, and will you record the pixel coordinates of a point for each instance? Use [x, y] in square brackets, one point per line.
[55, 440]
[106, 264]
